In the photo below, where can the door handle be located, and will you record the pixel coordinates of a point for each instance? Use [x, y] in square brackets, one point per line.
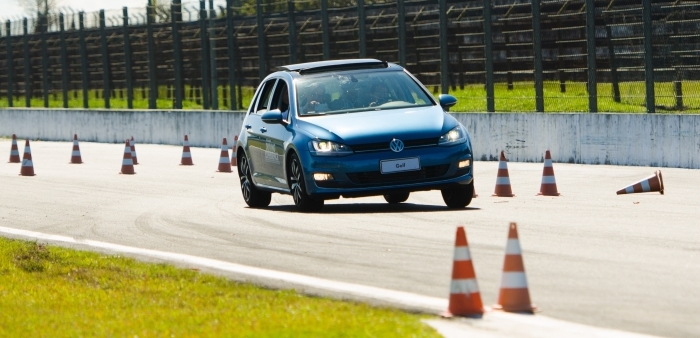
[247, 126]
[263, 129]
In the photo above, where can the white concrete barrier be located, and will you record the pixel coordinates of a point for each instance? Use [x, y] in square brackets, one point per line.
[204, 128]
[619, 139]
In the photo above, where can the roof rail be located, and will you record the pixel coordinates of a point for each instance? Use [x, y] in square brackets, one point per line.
[337, 67]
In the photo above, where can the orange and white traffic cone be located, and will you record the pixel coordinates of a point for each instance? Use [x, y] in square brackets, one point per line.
[514, 295]
[234, 160]
[27, 164]
[14, 151]
[75, 157]
[549, 183]
[186, 156]
[224, 162]
[465, 299]
[502, 179]
[652, 183]
[133, 151]
[127, 163]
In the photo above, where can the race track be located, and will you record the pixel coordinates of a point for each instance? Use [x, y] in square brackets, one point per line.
[629, 262]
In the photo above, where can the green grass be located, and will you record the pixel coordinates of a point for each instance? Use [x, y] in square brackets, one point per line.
[75, 99]
[522, 98]
[57, 292]
[470, 99]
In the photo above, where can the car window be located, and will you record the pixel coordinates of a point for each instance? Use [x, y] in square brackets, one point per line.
[265, 96]
[357, 91]
[280, 99]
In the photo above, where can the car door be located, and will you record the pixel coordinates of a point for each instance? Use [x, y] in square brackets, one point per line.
[255, 130]
[276, 135]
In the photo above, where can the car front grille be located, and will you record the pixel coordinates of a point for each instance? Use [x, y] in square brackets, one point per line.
[377, 178]
[381, 146]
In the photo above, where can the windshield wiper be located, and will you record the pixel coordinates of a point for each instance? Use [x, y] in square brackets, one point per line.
[313, 114]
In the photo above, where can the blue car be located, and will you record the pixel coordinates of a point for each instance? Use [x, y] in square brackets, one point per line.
[351, 128]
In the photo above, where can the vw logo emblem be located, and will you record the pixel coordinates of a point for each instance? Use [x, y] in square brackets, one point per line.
[396, 145]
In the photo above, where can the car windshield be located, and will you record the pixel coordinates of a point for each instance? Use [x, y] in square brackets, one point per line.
[358, 91]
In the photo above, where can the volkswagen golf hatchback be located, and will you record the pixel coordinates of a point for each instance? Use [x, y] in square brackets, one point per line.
[351, 128]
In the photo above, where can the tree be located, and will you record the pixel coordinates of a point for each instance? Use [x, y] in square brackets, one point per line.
[40, 8]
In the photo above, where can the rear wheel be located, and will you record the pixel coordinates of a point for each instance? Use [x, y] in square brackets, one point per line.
[252, 196]
[396, 197]
[297, 185]
[458, 196]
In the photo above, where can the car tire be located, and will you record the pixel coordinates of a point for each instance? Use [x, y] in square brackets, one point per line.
[297, 186]
[458, 196]
[254, 197]
[396, 198]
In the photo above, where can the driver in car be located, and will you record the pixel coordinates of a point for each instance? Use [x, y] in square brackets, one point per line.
[317, 100]
[349, 99]
[379, 95]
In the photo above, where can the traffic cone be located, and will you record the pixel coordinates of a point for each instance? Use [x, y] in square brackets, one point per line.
[27, 165]
[14, 152]
[514, 295]
[502, 179]
[186, 156]
[652, 183]
[75, 157]
[465, 298]
[234, 160]
[549, 184]
[127, 163]
[133, 151]
[224, 162]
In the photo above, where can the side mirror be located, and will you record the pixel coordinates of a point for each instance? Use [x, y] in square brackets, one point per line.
[272, 116]
[447, 101]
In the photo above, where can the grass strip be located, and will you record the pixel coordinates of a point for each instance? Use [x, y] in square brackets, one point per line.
[471, 98]
[58, 292]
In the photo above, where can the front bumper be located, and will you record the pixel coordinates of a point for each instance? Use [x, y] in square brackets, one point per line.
[359, 174]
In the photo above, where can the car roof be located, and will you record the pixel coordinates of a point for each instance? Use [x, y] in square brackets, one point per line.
[334, 65]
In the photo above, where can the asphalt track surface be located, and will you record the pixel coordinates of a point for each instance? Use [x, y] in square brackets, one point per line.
[626, 262]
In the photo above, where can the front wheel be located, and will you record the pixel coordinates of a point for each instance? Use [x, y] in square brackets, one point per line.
[297, 185]
[458, 196]
[396, 197]
[252, 196]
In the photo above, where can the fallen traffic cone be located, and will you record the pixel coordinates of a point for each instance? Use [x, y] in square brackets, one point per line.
[514, 295]
[27, 164]
[465, 298]
[127, 163]
[502, 179]
[14, 152]
[75, 157]
[233, 151]
[652, 183]
[549, 184]
[133, 151]
[186, 156]
[224, 162]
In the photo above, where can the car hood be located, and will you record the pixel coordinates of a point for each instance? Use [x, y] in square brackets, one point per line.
[380, 125]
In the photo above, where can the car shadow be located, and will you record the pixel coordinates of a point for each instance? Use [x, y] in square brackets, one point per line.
[372, 208]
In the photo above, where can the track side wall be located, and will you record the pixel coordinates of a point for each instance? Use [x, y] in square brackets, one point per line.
[616, 139]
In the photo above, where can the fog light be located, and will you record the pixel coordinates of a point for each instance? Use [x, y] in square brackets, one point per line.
[464, 163]
[322, 177]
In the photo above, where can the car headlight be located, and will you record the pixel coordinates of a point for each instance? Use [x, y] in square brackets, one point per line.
[328, 148]
[455, 136]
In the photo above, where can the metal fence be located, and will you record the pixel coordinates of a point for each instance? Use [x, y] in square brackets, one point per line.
[494, 55]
